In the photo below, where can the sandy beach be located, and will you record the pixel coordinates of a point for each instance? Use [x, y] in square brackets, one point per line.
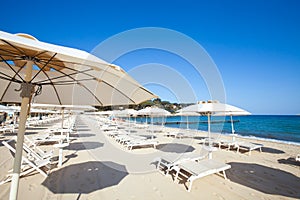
[95, 166]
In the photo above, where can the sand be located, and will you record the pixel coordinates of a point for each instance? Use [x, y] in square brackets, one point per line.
[97, 167]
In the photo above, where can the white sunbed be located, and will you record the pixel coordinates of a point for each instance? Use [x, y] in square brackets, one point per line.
[249, 146]
[225, 143]
[139, 143]
[194, 170]
[167, 162]
[28, 165]
[49, 139]
[34, 151]
[7, 129]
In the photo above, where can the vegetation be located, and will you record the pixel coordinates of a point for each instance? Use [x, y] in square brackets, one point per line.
[171, 107]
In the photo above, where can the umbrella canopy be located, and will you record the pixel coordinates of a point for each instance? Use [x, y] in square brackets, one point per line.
[153, 111]
[125, 113]
[63, 75]
[212, 108]
[47, 73]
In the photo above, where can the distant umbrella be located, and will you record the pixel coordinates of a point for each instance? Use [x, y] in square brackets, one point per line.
[210, 108]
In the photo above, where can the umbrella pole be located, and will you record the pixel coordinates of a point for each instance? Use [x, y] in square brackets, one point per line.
[62, 117]
[232, 129]
[209, 142]
[26, 96]
[187, 122]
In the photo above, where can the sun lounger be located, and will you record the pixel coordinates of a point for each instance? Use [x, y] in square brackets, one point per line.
[49, 139]
[249, 146]
[225, 143]
[140, 143]
[35, 151]
[7, 129]
[194, 170]
[167, 162]
[28, 165]
[180, 135]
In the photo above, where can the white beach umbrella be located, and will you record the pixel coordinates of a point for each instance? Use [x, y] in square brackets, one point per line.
[153, 112]
[211, 108]
[47, 73]
[126, 113]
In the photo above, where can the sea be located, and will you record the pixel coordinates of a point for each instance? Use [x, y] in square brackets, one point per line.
[281, 128]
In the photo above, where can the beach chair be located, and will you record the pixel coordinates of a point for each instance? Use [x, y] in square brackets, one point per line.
[249, 146]
[41, 139]
[140, 143]
[224, 143]
[7, 129]
[180, 135]
[28, 165]
[35, 151]
[166, 163]
[194, 170]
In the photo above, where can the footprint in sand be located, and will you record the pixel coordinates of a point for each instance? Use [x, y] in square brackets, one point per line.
[219, 196]
[31, 187]
[91, 181]
[75, 176]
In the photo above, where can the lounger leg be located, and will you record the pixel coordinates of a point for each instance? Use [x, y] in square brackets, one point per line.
[177, 169]
[190, 186]
[224, 174]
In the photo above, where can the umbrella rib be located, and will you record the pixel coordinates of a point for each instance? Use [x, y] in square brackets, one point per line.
[55, 90]
[41, 69]
[75, 81]
[13, 78]
[118, 91]
[12, 68]
[19, 50]
[9, 53]
[65, 82]
[58, 77]
[40, 53]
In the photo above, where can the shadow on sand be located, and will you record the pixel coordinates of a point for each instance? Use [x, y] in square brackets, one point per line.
[289, 161]
[85, 134]
[84, 178]
[265, 179]
[175, 148]
[77, 146]
[271, 150]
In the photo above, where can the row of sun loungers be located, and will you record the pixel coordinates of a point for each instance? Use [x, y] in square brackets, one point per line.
[33, 157]
[238, 145]
[121, 132]
[130, 141]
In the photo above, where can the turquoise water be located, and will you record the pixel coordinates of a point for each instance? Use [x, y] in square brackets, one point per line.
[277, 127]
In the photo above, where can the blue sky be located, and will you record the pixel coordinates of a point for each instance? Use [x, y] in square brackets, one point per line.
[255, 44]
